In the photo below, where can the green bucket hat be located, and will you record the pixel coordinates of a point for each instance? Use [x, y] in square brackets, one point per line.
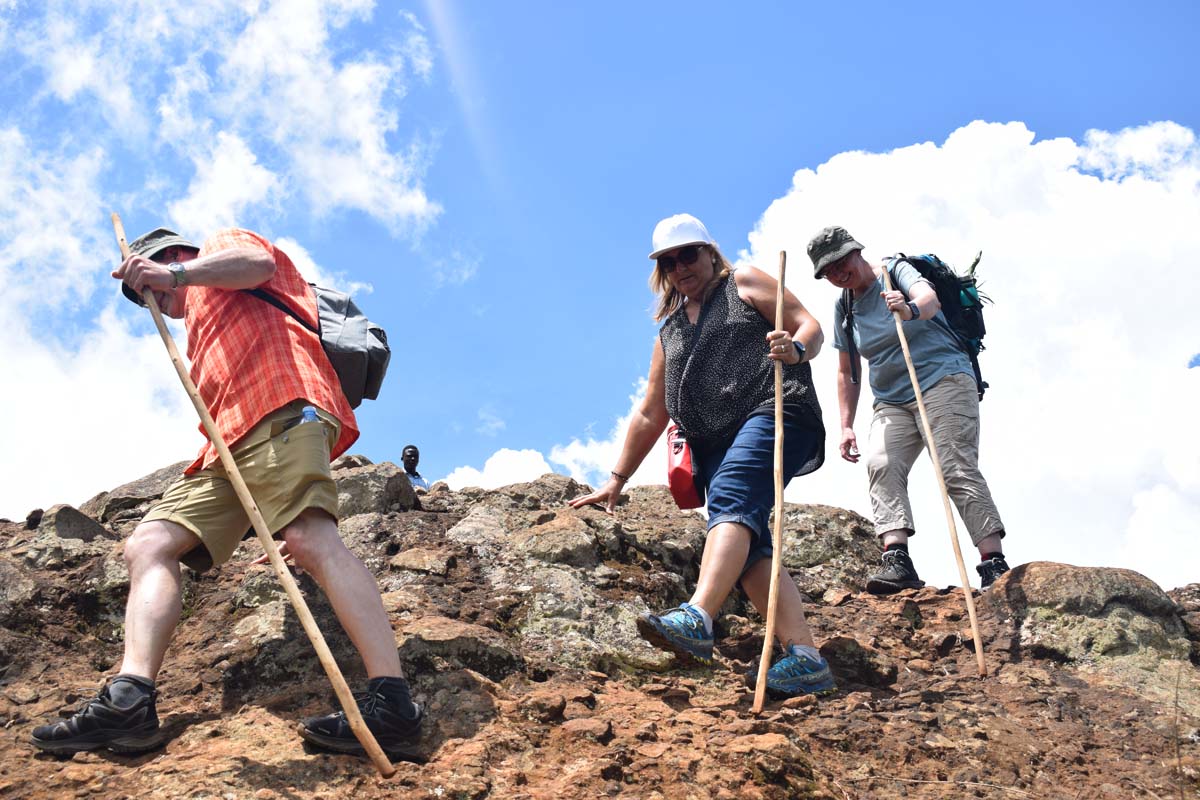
[831, 244]
[149, 245]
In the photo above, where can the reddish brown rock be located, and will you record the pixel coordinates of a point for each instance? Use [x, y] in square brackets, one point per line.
[518, 662]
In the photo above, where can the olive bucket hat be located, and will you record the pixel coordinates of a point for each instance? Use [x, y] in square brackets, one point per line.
[149, 245]
[831, 244]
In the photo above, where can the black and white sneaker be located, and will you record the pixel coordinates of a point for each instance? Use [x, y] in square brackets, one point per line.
[990, 570]
[898, 573]
[390, 714]
[103, 723]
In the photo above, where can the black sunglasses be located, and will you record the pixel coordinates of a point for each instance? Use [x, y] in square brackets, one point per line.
[684, 255]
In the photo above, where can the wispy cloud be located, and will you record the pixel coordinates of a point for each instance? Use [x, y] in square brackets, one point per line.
[277, 79]
[49, 208]
[228, 181]
[489, 423]
[455, 269]
[467, 88]
[314, 273]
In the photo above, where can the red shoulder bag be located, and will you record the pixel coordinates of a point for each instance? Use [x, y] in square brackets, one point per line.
[681, 470]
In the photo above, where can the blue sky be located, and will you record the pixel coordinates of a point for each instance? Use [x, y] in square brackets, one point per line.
[486, 176]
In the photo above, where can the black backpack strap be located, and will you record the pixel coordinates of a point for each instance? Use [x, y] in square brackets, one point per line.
[271, 299]
[848, 330]
[891, 270]
[980, 383]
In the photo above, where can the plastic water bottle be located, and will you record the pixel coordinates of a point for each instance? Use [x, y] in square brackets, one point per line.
[308, 414]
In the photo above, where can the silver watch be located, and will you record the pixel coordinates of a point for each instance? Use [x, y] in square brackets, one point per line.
[178, 275]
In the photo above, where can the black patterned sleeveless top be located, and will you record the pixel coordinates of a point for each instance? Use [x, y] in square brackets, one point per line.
[718, 373]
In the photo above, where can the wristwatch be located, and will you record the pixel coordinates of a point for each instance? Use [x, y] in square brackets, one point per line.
[914, 309]
[178, 275]
[799, 350]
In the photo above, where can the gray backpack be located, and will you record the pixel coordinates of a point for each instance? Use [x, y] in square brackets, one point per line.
[357, 348]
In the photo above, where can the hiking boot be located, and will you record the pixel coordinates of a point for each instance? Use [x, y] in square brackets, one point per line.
[390, 714]
[795, 672]
[990, 570]
[102, 723]
[898, 573]
[680, 630]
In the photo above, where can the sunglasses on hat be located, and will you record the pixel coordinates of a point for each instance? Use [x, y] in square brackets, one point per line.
[684, 255]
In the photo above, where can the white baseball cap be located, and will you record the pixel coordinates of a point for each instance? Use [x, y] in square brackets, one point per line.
[678, 231]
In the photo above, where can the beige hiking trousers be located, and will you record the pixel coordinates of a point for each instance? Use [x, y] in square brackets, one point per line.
[897, 438]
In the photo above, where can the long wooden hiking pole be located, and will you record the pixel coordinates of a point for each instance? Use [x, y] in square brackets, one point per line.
[349, 706]
[764, 663]
[937, 470]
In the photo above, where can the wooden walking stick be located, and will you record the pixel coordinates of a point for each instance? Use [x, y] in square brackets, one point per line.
[349, 706]
[764, 664]
[937, 470]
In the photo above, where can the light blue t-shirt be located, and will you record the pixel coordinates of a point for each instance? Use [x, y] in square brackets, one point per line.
[417, 481]
[935, 354]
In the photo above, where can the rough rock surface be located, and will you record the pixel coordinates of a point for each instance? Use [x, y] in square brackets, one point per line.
[68, 522]
[373, 487]
[1080, 614]
[130, 500]
[514, 617]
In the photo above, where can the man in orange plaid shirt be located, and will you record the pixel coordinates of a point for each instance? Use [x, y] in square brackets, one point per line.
[277, 402]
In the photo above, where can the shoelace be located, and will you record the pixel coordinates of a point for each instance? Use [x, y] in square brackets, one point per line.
[367, 702]
[688, 619]
[90, 695]
[802, 665]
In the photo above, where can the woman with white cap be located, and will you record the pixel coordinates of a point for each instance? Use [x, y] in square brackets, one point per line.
[712, 372]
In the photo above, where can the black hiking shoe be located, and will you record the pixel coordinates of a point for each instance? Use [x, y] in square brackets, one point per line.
[391, 716]
[102, 723]
[990, 570]
[898, 573]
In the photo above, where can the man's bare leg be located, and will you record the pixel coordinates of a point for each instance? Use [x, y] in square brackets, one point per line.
[152, 554]
[313, 542]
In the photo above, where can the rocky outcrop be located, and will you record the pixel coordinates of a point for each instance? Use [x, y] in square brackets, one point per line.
[130, 500]
[1087, 613]
[514, 617]
[373, 488]
[67, 522]
[1187, 598]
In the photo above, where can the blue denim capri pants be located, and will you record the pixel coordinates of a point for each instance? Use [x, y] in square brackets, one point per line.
[738, 476]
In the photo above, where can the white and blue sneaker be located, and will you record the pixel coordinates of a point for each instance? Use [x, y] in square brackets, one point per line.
[681, 631]
[797, 670]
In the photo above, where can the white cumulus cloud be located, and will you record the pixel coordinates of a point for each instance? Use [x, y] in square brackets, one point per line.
[1088, 340]
[505, 466]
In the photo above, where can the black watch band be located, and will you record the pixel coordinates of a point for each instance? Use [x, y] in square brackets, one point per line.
[914, 309]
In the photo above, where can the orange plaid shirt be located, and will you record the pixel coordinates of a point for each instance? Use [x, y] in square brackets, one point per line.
[249, 358]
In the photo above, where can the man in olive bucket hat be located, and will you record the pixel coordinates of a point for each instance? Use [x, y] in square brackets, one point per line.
[277, 402]
[896, 438]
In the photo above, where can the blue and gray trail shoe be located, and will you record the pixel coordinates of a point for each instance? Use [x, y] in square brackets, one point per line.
[680, 631]
[795, 671]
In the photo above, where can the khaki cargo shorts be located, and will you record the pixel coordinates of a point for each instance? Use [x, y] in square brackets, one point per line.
[284, 464]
